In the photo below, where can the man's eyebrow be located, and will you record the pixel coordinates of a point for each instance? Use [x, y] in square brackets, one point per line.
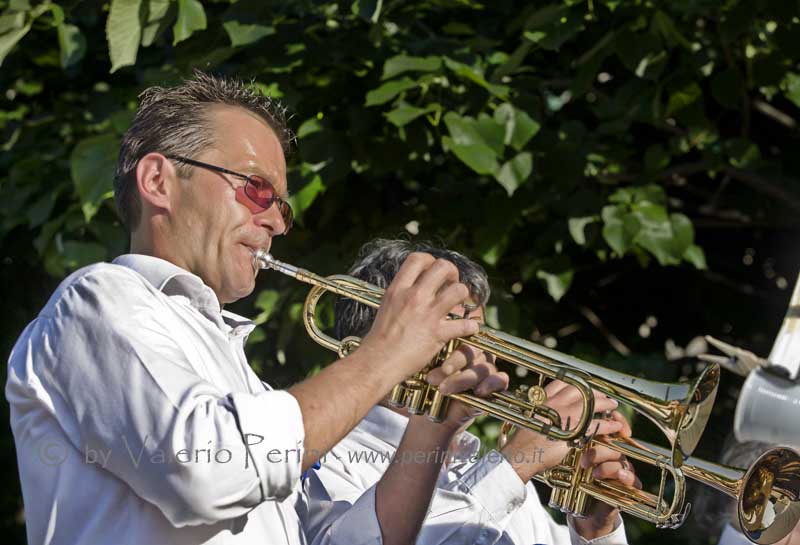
[254, 170]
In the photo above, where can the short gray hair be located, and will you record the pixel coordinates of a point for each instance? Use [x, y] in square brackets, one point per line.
[174, 121]
[378, 263]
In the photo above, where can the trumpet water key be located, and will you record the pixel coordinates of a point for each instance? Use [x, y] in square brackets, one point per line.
[680, 410]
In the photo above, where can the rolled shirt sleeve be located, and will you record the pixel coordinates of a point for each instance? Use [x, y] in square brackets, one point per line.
[119, 382]
[471, 509]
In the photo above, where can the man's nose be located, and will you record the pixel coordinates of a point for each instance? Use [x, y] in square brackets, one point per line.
[271, 220]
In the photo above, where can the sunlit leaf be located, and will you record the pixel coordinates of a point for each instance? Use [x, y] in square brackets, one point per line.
[123, 32]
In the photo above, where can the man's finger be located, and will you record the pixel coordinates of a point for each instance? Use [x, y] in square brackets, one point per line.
[466, 379]
[495, 382]
[626, 426]
[462, 357]
[603, 404]
[411, 268]
[453, 329]
[615, 471]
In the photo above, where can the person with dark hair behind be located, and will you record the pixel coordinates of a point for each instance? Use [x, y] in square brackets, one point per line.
[481, 500]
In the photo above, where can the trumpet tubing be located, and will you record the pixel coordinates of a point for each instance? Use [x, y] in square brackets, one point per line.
[680, 410]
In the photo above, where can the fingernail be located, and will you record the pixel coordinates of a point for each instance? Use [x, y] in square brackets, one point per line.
[624, 474]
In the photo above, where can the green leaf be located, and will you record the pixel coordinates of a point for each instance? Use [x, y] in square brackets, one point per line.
[791, 84]
[191, 17]
[92, 165]
[619, 228]
[664, 25]
[469, 145]
[557, 283]
[471, 74]
[309, 127]
[80, 254]
[403, 63]
[368, 9]
[123, 32]
[491, 132]
[301, 200]
[244, 34]
[519, 127]
[656, 234]
[72, 43]
[742, 152]
[10, 38]
[683, 232]
[478, 157]
[577, 228]
[696, 256]
[11, 21]
[389, 90]
[683, 98]
[515, 172]
[404, 113]
[267, 301]
[40, 211]
[156, 21]
[468, 131]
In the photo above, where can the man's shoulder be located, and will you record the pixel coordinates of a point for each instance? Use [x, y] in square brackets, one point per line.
[98, 281]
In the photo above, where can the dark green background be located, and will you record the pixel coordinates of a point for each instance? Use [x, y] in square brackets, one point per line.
[611, 163]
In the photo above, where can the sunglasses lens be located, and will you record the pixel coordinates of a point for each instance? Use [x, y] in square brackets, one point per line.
[262, 193]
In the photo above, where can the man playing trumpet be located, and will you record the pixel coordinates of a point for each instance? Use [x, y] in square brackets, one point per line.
[486, 500]
[135, 414]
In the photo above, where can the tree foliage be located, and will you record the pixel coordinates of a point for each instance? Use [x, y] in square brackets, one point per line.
[577, 149]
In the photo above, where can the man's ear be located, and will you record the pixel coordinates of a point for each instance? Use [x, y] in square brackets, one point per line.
[155, 179]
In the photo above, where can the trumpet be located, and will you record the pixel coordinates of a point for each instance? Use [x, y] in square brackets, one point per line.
[767, 493]
[679, 410]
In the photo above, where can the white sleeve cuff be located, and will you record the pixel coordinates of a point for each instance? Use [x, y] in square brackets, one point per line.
[271, 425]
[616, 537]
[495, 485]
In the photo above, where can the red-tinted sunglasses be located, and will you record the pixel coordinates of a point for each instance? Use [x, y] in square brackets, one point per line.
[260, 191]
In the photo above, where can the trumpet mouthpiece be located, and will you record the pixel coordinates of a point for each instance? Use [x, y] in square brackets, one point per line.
[264, 260]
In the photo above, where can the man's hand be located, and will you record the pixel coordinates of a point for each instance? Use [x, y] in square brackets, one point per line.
[411, 325]
[530, 453]
[467, 369]
[608, 465]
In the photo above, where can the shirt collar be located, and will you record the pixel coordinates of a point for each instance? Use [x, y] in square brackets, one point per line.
[390, 426]
[177, 282]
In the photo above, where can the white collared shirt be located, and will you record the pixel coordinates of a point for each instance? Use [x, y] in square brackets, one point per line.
[481, 501]
[137, 419]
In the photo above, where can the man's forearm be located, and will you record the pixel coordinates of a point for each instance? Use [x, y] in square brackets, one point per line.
[403, 494]
[334, 401]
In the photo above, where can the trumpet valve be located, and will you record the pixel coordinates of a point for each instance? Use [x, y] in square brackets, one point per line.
[397, 397]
